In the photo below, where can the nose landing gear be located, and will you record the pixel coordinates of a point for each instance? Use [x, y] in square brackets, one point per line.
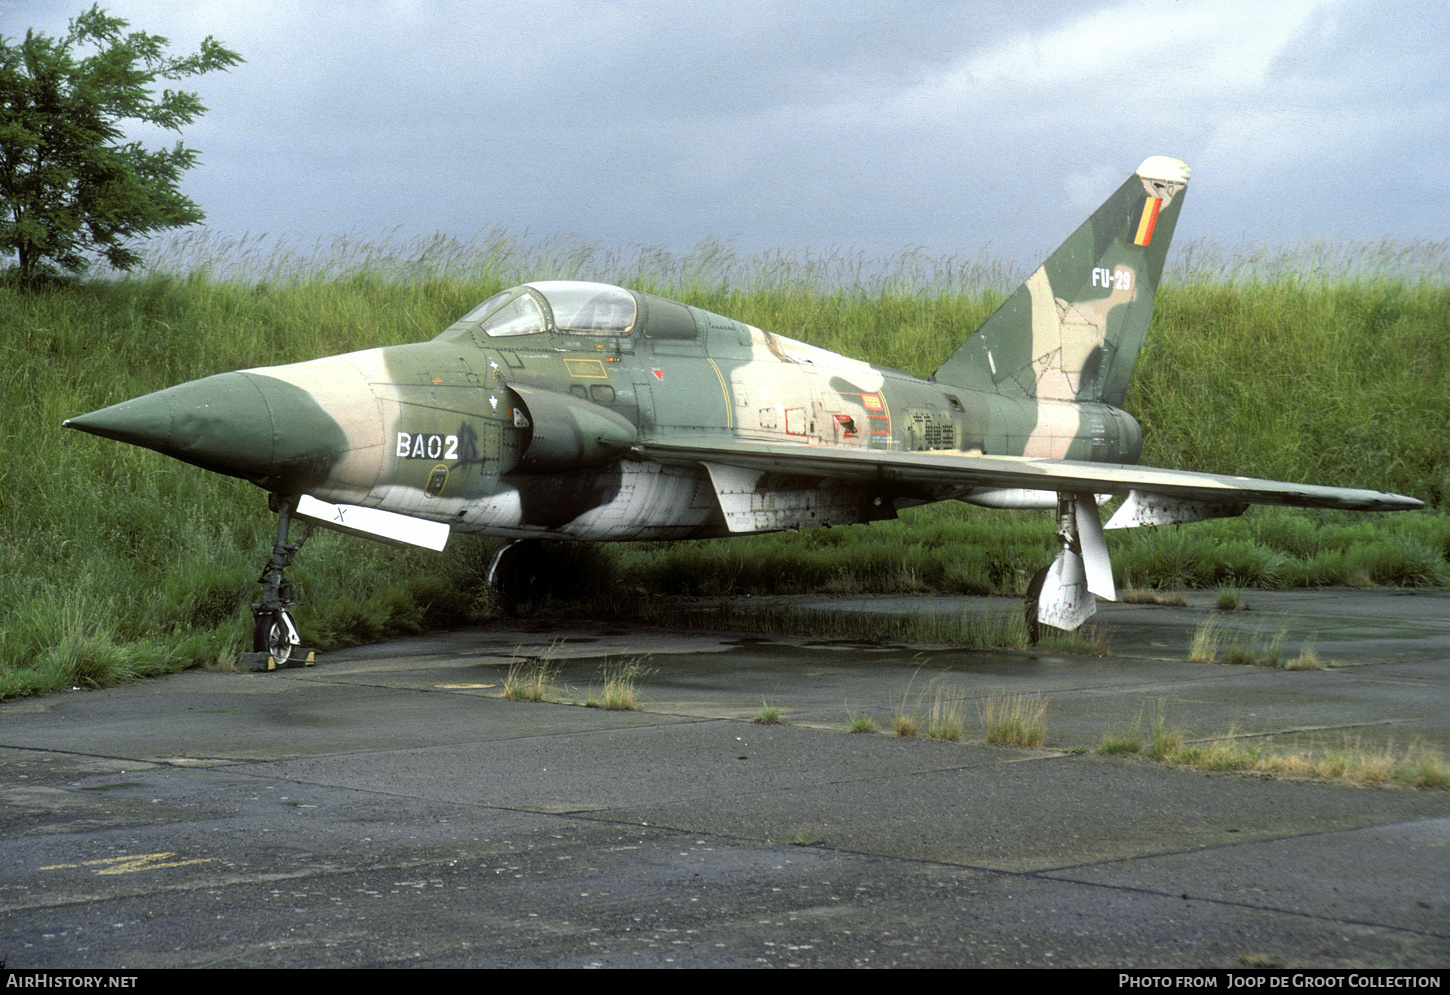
[275, 642]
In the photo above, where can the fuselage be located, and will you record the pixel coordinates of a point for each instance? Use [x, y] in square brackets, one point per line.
[527, 433]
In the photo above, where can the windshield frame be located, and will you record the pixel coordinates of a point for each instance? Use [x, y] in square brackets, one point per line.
[589, 310]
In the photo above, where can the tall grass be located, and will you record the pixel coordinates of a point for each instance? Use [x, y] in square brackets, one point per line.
[117, 562]
[960, 549]
[499, 256]
[1014, 719]
[1301, 380]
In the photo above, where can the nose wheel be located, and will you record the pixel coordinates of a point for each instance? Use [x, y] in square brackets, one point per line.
[275, 634]
[275, 642]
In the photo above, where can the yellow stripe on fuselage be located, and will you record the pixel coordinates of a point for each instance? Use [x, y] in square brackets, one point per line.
[724, 390]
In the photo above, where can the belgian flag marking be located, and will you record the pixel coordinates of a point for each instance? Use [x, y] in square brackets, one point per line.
[1144, 218]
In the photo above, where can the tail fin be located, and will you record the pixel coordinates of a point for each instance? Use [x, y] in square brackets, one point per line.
[1073, 330]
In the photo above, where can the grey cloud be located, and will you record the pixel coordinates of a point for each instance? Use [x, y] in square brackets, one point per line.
[873, 126]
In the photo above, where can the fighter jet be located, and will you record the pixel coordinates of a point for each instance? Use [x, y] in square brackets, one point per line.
[566, 410]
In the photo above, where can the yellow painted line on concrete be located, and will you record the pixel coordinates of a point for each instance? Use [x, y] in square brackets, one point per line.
[129, 865]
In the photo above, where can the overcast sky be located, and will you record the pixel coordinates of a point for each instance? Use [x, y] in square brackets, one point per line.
[871, 126]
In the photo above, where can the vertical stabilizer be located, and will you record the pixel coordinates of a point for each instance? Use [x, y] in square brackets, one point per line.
[1073, 330]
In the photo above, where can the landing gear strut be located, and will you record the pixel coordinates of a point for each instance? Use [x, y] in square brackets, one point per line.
[274, 632]
[1060, 596]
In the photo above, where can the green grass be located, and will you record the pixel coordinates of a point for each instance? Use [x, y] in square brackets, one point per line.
[1125, 737]
[1261, 650]
[1120, 743]
[1014, 719]
[947, 717]
[1206, 639]
[1215, 642]
[960, 549]
[1139, 596]
[1306, 660]
[117, 563]
[768, 714]
[940, 710]
[1415, 765]
[529, 680]
[1230, 599]
[906, 724]
[620, 690]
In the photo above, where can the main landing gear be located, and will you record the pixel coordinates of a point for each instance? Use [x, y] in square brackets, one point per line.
[1060, 597]
[274, 634]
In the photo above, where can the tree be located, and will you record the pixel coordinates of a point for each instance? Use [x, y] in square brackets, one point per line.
[69, 183]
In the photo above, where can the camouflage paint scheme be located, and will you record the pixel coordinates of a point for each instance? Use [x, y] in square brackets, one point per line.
[650, 419]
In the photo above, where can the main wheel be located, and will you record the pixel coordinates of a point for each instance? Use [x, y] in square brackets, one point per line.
[273, 636]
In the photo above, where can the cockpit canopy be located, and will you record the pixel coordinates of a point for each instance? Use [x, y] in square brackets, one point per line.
[567, 306]
[572, 310]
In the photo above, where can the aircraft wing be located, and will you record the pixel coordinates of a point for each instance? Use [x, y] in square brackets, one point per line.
[928, 469]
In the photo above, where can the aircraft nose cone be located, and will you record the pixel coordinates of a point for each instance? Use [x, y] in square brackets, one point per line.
[244, 424]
